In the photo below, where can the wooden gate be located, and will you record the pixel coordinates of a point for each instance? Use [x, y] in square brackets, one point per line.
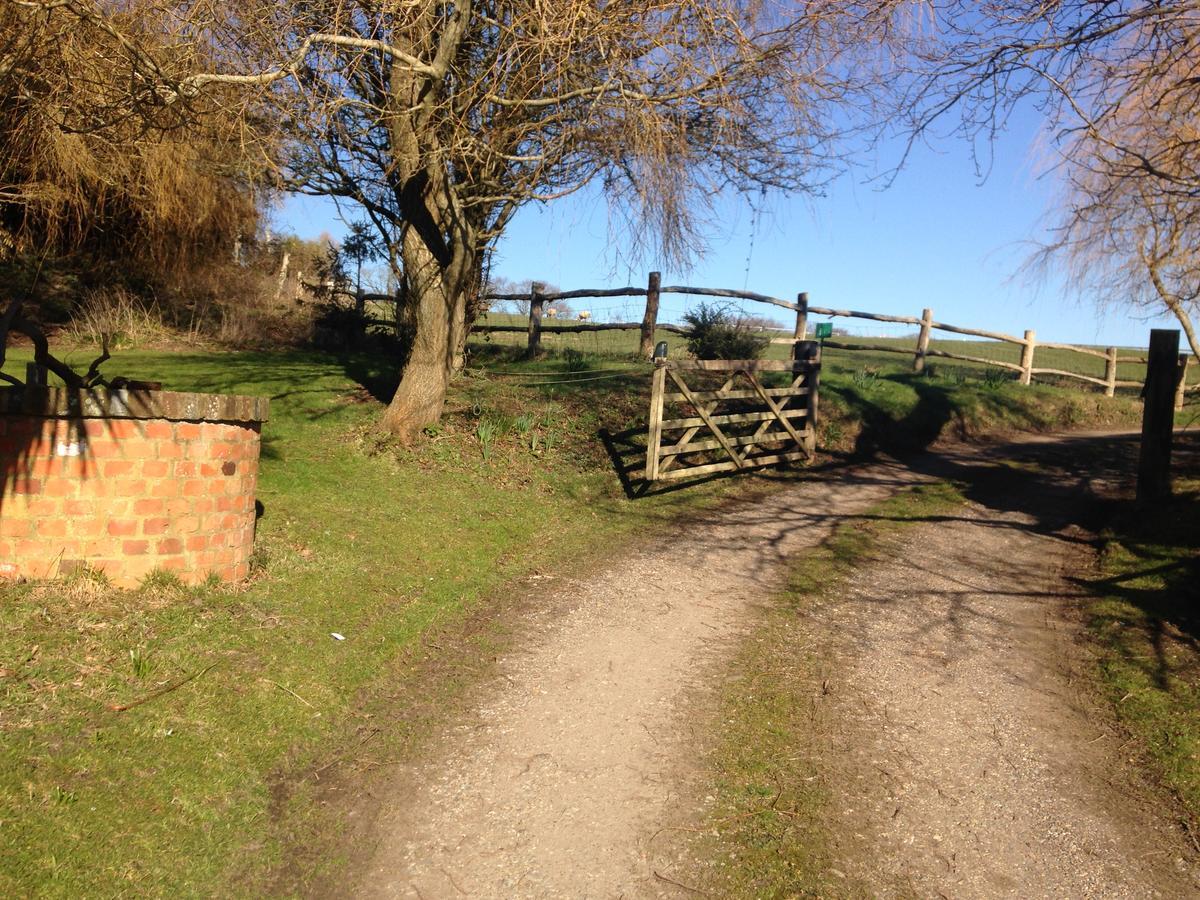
[742, 424]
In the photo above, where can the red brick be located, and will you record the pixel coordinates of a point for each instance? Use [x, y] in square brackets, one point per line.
[166, 488]
[87, 527]
[135, 548]
[160, 431]
[122, 429]
[61, 487]
[121, 527]
[194, 487]
[155, 468]
[52, 528]
[170, 450]
[117, 467]
[148, 507]
[42, 507]
[156, 525]
[195, 542]
[170, 545]
[188, 431]
[15, 528]
[102, 449]
[78, 507]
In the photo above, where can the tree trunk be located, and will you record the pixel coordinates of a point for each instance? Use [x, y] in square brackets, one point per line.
[436, 323]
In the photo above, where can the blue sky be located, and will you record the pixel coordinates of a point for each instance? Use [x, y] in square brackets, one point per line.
[940, 236]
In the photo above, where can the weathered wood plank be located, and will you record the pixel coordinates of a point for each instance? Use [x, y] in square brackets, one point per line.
[737, 395]
[752, 463]
[658, 384]
[1075, 348]
[1065, 374]
[730, 419]
[707, 419]
[726, 292]
[745, 440]
[735, 365]
[558, 329]
[856, 314]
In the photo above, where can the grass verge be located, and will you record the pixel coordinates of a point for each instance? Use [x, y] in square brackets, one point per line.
[241, 694]
[1145, 617]
[766, 834]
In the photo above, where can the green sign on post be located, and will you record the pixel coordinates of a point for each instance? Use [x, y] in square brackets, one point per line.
[824, 330]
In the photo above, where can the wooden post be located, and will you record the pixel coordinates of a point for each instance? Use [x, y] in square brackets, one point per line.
[658, 384]
[810, 352]
[1181, 384]
[801, 332]
[923, 340]
[536, 301]
[1027, 357]
[1110, 372]
[1158, 416]
[650, 319]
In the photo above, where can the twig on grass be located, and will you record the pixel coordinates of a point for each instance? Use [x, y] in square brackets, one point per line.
[680, 884]
[289, 691]
[121, 707]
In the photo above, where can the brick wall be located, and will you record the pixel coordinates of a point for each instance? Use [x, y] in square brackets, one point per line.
[128, 483]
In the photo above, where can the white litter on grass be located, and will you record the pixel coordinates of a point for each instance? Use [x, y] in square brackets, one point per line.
[336, 636]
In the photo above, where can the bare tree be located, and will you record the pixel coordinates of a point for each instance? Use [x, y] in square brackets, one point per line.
[1119, 86]
[1129, 237]
[1089, 66]
[442, 119]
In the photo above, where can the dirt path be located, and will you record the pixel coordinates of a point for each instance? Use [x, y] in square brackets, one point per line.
[966, 761]
[970, 760]
[555, 787]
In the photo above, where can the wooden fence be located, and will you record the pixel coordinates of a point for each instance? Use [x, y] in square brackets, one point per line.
[1027, 369]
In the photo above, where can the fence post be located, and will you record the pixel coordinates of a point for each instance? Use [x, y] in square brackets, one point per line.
[923, 340]
[1158, 416]
[535, 319]
[1110, 372]
[1181, 385]
[650, 319]
[801, 332]
[810, 352]
[1027, 357]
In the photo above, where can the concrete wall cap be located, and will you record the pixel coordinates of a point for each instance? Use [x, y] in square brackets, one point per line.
[100, 403]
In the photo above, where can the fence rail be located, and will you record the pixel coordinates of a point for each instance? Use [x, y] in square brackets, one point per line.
[920, 351]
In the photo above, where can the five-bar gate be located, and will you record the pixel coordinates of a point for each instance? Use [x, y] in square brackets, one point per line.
[744, 423]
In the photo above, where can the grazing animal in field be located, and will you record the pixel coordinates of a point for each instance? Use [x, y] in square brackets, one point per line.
[584, 315]
[551, 312]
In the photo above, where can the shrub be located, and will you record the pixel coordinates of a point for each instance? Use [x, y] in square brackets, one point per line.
[714, 333]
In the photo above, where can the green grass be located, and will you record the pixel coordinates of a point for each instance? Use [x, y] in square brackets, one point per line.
[197, 790]
[767, 833]
[1146, 621]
